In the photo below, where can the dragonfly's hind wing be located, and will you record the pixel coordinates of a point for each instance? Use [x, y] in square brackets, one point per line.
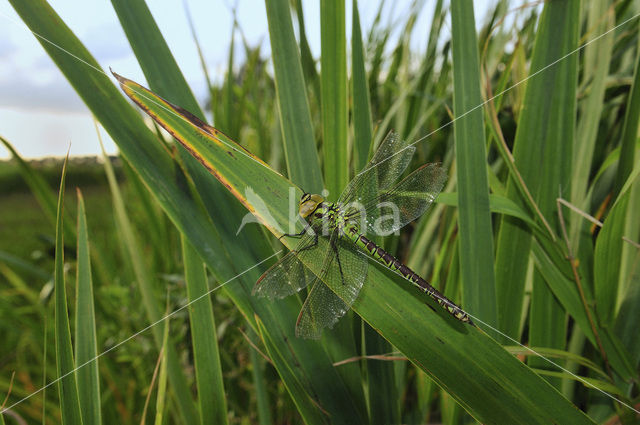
[405, 202]
[322, 309]
[334, 291]
[381, 172]
[289, 275]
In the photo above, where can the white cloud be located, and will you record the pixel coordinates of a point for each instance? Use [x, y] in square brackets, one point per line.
[36, 91]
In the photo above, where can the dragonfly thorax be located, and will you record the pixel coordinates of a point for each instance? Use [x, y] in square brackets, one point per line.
[324, 216]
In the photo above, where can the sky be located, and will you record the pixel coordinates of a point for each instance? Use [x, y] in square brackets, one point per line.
[40, 113]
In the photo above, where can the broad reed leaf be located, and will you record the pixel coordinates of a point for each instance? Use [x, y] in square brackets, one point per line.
[67, 387]
[491, 384]
[85, 339]
[474, 217]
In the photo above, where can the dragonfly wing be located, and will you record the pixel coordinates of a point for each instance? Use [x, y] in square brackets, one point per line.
[385, 167]
[322, 309]
[405, 202]
[289, 275]
[344, 270]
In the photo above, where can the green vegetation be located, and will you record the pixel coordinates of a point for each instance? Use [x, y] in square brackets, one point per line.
[504, 240]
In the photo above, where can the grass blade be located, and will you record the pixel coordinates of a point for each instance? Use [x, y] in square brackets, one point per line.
[25, 267]
[544, 161]
[85, 340]
[153, 54]
[162, 376]
[306, 58]
[607, 260]
[597, 57]
[381, 386]
[362, 126]
[476, 235]
[39, 188]
[334, 96]
[295, 117]
[211, 396]
[260, 384]
[145, 282]
[557, 35]
[629, 132]
[295, 386]
[69, 400]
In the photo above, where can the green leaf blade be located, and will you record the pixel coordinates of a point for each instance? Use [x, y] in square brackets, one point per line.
[211, 395]
[476, 236]
[67, 386]
[334, 96]
[362, 124]
[85, 339]
[295, 117]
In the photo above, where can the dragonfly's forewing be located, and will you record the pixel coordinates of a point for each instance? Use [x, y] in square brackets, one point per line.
[289, 275]
[381, 172]
[332, 294]
[405, 202]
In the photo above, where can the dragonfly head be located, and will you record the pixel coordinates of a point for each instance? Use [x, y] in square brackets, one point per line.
[308, 204]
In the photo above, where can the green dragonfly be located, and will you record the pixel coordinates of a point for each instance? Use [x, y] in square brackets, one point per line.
[372, 203]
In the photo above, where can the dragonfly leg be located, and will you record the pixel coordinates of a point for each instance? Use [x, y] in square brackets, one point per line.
[311, 245]
[296, 235]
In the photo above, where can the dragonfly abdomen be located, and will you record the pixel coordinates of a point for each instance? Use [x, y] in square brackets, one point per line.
[393, 263]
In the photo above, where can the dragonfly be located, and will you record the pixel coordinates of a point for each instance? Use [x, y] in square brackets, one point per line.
[374, 202]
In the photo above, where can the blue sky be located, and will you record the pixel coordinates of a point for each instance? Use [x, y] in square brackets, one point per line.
[41, 114]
